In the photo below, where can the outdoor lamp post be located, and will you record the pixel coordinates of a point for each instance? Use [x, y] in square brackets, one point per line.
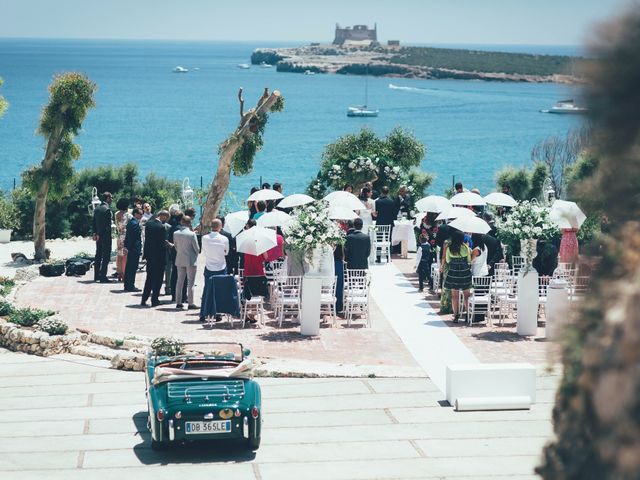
[548, 192]
[95, 201]
[187, 193]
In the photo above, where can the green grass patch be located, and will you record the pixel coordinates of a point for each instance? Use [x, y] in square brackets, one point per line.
[28, 317]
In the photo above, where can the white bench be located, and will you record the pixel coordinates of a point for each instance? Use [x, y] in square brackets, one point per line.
[491, 386]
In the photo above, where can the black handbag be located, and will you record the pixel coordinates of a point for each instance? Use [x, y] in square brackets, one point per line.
[52, 269]
[78, 266]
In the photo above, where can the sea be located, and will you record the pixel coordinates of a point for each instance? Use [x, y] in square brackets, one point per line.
[172, 124]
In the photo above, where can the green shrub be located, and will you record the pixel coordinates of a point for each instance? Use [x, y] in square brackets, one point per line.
[8, 213]
[28, 317]
[6, 284]
[167, 346]
[53, 326]
[6, 308]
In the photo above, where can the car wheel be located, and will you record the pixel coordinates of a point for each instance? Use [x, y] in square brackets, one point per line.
[253, 443]
[158, 446]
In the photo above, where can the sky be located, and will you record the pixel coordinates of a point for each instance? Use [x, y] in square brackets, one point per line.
[529, 22]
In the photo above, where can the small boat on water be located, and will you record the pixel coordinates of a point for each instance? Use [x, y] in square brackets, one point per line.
[265, 65]
[361, 111]
[244, 66]
[180, 69]
[309, 72]
[566, 107]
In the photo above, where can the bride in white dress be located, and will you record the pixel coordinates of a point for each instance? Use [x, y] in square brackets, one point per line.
[368, 211]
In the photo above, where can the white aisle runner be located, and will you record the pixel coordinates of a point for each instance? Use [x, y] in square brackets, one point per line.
[429, 339]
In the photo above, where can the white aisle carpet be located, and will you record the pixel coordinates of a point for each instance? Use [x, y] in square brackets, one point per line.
[429, 339]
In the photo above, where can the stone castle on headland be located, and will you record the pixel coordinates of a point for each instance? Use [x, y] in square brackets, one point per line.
[356, 35]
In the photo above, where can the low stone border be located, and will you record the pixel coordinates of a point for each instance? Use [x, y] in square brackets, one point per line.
[19, 339]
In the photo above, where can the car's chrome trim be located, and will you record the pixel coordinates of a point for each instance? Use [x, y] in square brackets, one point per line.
[172, 433]
[245, 427]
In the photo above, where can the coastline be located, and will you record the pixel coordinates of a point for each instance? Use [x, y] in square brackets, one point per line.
[405, 62]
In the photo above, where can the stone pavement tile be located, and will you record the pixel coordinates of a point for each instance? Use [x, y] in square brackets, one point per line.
[118, 411]
[393, 385]
[48, 402]
[58, 379]
[43, 369]
[65, 443]
[24, 427]
[326, 419]
[448, 414]
[85, 388]
[12, 462]
[400, 468]
[165, 472]
[438, 430]
[122, 398]
[485, 447]
[118, 376]
[337, 387]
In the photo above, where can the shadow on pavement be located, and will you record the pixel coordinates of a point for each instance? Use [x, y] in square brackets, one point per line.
[206, 451]
[500, 337]
[285, 337]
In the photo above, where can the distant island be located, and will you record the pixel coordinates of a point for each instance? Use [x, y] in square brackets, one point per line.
[422, 62]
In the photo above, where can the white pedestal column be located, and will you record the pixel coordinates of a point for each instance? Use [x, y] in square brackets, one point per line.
[527, 302]
[557, 308]
[310, 318]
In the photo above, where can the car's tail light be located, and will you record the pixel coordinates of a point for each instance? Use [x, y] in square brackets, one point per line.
[160, 415]
[178, 415]
[254, 412]
[237, 414]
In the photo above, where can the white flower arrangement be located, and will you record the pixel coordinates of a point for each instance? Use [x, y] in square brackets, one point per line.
[526, 221]
[315, 189]
[312, 228]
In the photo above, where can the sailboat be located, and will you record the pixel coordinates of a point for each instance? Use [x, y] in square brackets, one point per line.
[362, 110]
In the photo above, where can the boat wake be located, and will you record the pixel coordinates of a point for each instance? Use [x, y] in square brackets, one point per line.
[409, 89]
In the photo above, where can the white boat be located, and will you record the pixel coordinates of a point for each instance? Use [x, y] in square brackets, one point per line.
[244, 66]
[566, 107]
[180, 69]
[265, 65]
[362, 110]
[309, 72]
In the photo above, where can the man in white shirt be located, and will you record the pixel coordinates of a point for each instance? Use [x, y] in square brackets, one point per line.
[215, 247]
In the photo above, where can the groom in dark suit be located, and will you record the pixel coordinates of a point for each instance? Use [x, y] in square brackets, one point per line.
[133, 246]
[155, 253]
[357, 247]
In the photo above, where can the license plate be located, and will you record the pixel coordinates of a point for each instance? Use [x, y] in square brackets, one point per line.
[195, 428]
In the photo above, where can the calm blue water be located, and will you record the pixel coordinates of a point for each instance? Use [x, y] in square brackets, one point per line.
[171, 124]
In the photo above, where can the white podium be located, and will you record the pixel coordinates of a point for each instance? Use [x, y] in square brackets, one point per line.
[557, 307]
[527, 302]
[310, 303]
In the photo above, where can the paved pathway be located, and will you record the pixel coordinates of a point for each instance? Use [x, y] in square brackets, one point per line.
[71, 418]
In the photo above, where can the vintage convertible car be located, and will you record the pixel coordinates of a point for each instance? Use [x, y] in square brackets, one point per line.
[203, 396]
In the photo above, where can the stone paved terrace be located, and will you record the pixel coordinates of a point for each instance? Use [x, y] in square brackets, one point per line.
[68, 418]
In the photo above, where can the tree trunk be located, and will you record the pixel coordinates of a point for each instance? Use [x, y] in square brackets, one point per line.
[39, 216]
[220, 183]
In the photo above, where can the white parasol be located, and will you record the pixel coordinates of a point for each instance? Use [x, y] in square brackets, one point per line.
[295, 200]
[264, 195]
[235, 222]
[468, 199]
[275, 218]
[455, 212]
[567, 214]
[344, 199]
[470, 225]
[341, 213]
[433, 203]
[500, 199]
[256, 240]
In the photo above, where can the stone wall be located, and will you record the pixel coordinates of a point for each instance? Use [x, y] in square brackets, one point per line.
[19, 339]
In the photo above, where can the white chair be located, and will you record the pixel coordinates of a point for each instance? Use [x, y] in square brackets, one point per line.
[255, 304]
[356, 297]
[287, 297]
[480, 298]
[271, 270]
[518, 263]
[328, 299]
[507, 300]
[383, 242]
[435, 276]
[579, 289]
[543, 286]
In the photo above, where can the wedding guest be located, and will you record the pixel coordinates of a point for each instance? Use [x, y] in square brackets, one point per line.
[132, 247]
[458, 259]
[266, 186]
[277, 252]
[146, 212]
[231, 257]
[479, 256]
[155, 253]
[374, 193]
[385, 208]
[403, 202]
[102, 237]
[348, 188]
[368, 212]
[357, 247]
[122, 217]
[506, 189]
[424, 259]
[261, 207]
[251, 205]
[171, 271]
[215, 247]
[459, 187]
[338, 265]
[255, 279]
[546, 260]
[187, 250]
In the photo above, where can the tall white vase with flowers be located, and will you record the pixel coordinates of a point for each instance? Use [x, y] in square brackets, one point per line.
[527, 222]
[314, 234]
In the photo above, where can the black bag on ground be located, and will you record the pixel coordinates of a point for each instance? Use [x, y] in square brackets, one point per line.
[52, 269]
[78, 266]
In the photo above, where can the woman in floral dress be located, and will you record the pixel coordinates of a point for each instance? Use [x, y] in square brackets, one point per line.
[122, 218]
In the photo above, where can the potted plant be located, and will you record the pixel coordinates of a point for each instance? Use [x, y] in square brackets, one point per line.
[8, 219]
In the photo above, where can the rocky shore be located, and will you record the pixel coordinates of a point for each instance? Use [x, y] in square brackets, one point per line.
[402, 63]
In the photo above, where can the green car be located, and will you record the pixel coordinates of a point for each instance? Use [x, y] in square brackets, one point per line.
[203, 396]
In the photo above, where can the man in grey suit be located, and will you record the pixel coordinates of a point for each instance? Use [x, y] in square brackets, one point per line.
[187, 251]
[357, 247]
